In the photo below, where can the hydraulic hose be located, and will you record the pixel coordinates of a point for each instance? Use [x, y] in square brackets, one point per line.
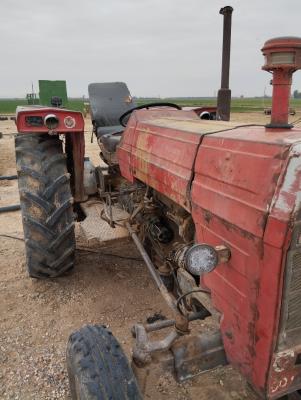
[10, 208]
[8, 177]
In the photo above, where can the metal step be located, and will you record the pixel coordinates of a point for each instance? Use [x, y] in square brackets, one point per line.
[95, 231]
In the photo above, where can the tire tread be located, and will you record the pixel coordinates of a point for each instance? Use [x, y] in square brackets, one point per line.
[96, 360]
[46, 205]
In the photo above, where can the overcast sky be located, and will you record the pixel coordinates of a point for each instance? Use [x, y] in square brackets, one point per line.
[158, 47]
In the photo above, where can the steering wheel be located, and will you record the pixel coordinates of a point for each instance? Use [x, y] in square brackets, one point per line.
[147, 106]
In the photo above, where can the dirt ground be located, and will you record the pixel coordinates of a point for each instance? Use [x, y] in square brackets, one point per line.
[36, 317]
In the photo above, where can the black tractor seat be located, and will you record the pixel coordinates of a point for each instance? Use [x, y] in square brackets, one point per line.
[109, 136]
[110, 141]
[108, 102]
[109, 130]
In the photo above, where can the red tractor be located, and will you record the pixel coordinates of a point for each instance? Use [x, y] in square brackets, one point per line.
[213, 208]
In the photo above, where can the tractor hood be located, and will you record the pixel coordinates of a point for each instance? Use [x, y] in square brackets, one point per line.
[241, 185]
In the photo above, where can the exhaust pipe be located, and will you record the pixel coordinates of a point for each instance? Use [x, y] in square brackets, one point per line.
[224, 94]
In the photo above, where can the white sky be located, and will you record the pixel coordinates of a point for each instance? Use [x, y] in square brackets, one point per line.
[158, 47]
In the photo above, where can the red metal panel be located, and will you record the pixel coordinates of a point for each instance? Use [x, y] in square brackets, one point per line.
[285, 373]
[62, 114]
[161, 157]
[233, 179]
[237, 174]
[124, 150]
[285, 368]
[75, 149]
[71, 123]
[245, 186]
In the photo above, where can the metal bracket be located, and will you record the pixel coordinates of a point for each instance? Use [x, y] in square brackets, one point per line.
[143, 347]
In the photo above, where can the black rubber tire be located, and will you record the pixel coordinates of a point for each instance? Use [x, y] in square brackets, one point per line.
[46, 205]
[98, 368]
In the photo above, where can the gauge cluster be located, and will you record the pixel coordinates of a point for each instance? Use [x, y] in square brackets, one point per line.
[51, 120]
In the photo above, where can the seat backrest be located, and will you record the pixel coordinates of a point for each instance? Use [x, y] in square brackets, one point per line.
[108, 101]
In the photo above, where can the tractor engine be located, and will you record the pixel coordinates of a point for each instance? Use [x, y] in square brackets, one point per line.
[163, 226]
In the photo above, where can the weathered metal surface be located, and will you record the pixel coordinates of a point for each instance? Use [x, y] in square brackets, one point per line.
[243, 196]
[198, 353]
[224, 94]
[63, 115]
[75, 149]
[124, 150]
[168, 323]
[282, 58]
[162, 157]
[192, 125]
[184, 356]
[285, 373]
[159, 148]
[285, 370]
[144, 347]
[290, 327]
[71, 123]
[96, 231]
[292, 314]
[245, 185]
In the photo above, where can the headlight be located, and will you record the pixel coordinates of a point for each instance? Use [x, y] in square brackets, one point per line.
[205, 115]
[51, 121]
[201, 259]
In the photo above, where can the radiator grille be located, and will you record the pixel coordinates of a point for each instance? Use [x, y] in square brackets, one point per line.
[293, 320]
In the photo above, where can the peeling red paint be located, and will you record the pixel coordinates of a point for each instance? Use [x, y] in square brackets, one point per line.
[245, 187]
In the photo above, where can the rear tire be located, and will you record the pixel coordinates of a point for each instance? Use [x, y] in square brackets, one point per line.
[98, 368]
[46, 205]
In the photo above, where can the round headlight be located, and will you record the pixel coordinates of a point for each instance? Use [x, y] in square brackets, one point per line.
[205, 115]
[51, 121]
[200, 259]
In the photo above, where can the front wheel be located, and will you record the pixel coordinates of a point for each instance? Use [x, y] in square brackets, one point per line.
[98, 368]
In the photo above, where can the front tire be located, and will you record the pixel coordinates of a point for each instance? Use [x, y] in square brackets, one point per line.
[46, 205]
[98, 368]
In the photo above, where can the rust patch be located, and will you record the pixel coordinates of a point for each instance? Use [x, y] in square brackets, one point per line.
[252, 330]
[207, 216]
[275, 178]
[251, 350]
[229, 336]
[257, 288]
[283, 155]
[263, 221]
[237, 320]
[260, 248]
[227, 224]
[230, 227]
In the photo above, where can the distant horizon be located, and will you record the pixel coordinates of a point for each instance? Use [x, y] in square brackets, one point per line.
[154, 97]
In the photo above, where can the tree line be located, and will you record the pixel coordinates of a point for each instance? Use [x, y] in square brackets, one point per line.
[297, 94]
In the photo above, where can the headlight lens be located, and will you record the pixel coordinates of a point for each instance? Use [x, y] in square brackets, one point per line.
[205, 115]
[51, 121]
[200, 259]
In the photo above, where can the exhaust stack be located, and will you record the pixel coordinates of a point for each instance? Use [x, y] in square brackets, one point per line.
[282, 59]
[224, 94]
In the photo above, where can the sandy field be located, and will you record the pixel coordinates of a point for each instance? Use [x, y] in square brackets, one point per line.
[37, 317]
